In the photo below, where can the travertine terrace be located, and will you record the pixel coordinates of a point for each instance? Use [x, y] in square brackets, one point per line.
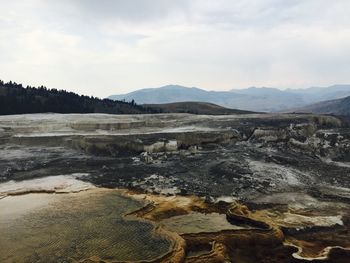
[277, 186]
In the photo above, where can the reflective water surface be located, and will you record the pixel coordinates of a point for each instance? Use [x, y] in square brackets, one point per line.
[75, 226]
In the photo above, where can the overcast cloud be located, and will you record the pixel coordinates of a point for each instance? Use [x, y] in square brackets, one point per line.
[106, 47]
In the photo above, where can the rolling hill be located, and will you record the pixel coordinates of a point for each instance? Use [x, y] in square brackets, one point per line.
[15, 99]
[251, 99]
[194, 107]
[335, 107]
[176, 93]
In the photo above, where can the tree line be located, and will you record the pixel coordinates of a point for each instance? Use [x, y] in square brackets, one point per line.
[16, 99]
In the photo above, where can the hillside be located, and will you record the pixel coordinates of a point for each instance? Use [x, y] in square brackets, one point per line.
[335, 107]
[229, 99]
[252, 99]
[195, 108]
[318, 94]
[15, 99]
[176, 93]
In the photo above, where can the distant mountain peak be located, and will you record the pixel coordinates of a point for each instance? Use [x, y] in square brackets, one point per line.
[176, 86]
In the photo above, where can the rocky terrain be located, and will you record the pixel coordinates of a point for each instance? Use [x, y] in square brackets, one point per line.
[282, 180]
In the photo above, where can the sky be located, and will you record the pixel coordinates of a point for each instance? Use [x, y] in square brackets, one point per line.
[104, 47]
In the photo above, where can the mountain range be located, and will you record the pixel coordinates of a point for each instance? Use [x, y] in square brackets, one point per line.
[251, 99]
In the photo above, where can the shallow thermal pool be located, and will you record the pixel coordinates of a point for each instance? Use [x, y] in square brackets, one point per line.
[197, 222]
[76, 226]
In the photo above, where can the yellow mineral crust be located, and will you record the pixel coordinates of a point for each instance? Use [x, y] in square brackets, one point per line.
[264, 237]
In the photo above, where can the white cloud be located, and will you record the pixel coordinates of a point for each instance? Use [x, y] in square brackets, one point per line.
[107, 47]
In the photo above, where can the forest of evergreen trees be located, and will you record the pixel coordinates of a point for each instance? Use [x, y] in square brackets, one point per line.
[15, 99]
